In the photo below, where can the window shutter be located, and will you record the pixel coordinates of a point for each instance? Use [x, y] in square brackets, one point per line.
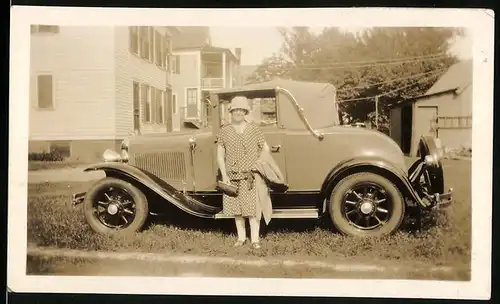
[177, 64]
[131, 38]
[45, 92]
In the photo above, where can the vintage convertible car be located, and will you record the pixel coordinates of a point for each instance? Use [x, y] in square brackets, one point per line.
[355, 177]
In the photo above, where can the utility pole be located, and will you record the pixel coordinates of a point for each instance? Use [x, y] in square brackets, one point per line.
[376, 112]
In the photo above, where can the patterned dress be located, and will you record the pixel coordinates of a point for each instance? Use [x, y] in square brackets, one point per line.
[242, 150]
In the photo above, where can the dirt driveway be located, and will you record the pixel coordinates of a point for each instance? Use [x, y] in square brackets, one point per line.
[62, 175]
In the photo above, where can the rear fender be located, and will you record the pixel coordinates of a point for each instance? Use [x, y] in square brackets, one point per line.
[373, 165]
[158, 186]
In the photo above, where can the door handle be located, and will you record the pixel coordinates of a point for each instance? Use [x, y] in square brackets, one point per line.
[275, 148]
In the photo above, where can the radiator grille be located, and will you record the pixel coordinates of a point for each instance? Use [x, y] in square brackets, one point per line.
[165, 165]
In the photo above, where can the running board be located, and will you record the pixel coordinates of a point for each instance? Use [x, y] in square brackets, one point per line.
[283, 213]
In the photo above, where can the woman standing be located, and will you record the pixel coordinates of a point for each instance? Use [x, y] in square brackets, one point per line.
[240, 144]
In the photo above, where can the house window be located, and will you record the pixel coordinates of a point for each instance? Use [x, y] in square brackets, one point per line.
[455, 122]
[134, 39]
[174, 103]
[160, 99]
[146, 103]
[45, 29]
[45, 92]
[145, 43]
[61, 148]
[158, 48]
[176, 64]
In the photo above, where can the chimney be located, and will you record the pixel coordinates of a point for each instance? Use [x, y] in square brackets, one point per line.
[237, 53]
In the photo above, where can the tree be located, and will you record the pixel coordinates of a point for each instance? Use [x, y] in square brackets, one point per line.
[274, 66]
[395, 63]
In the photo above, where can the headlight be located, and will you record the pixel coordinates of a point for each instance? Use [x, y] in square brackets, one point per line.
[111, 156]
[124, 149]
[124, 145]
[430, 160]
[124, 155]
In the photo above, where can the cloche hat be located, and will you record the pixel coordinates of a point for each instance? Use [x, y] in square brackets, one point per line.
[239, 102]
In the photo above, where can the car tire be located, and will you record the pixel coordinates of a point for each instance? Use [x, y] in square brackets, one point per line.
[134, 201]
[345, 220]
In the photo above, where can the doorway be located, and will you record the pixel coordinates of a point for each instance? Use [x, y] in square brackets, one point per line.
[192, 103]
[406, 128]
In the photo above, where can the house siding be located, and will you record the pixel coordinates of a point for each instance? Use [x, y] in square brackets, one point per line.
[129, 67]
[80, 60]
[189, 77]
[449, 105]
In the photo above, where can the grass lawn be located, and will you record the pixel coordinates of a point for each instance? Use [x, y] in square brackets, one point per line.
[445, 240]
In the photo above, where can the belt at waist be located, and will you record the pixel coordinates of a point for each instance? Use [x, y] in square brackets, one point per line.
[247, 176]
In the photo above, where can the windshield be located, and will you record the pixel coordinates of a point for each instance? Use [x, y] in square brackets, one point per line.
[263, 111]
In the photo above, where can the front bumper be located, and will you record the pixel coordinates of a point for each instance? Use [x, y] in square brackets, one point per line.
[443, 200]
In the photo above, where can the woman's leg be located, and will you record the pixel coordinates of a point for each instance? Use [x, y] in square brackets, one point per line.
[240, 228]
[254, 229]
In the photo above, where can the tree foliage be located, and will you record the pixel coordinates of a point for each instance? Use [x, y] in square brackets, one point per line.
[394, 63]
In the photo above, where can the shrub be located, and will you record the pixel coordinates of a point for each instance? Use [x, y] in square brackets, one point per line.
[46, 156]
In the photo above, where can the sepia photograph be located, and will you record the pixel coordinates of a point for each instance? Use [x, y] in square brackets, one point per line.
[228, 153]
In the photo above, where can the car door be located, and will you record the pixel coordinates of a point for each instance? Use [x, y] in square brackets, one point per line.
[274, 139]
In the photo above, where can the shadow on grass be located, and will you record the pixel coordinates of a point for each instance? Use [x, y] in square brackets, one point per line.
[174, 217]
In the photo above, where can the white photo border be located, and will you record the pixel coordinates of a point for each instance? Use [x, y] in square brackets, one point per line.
[479, 21]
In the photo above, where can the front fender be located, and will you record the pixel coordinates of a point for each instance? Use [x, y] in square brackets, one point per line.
[373, 165]
[158, 186]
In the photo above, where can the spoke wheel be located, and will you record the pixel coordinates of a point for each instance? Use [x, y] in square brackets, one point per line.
[113, 205]
[366, 204]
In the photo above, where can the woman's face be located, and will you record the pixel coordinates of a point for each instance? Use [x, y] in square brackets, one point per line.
[238, 115]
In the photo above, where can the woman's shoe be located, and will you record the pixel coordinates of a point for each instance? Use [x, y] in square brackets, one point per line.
[255, 245]
[239, 243]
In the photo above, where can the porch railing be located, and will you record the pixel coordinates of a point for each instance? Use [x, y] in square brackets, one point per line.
[212, 83]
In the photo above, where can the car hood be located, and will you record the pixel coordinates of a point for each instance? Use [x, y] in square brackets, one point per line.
[151, 142]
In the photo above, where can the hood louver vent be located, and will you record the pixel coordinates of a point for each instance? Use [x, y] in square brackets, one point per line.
[165, 165]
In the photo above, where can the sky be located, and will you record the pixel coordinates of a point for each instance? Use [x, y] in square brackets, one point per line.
[258, 43]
